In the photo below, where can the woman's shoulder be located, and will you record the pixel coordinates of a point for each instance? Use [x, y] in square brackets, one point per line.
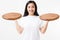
[38, 17]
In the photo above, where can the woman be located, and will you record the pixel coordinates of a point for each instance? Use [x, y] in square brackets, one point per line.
[30, 24]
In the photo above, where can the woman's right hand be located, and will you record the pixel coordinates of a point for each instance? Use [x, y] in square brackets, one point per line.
[16, 21]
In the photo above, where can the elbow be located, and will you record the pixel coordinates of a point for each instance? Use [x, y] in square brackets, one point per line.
[19, 31]
[43, 32]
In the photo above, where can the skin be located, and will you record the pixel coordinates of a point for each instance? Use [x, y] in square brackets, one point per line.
[44, 28]
[31, 10]
[18, 27]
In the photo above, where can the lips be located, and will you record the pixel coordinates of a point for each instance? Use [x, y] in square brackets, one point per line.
[31, 10]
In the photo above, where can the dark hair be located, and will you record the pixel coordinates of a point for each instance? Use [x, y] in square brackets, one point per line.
[26, 12]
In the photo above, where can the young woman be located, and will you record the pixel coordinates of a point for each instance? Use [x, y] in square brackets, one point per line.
[30, 24]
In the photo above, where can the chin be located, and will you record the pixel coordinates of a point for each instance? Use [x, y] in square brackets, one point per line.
[31, 12]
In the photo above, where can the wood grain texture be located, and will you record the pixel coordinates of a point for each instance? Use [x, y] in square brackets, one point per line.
[12, 16]
[49, 16]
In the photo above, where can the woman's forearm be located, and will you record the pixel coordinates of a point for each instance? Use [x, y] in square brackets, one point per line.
[44, 28]
[19, 28]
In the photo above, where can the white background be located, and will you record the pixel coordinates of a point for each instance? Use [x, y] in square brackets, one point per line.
[8, 29]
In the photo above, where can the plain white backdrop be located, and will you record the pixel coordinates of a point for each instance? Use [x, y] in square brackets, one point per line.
[8, 29]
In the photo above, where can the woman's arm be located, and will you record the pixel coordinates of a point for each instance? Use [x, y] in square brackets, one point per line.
[18, 27]
[44, 28]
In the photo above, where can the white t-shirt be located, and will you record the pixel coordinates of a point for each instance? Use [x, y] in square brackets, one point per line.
[31, 25]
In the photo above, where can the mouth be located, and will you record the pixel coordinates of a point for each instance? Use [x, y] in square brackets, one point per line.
[31, 10]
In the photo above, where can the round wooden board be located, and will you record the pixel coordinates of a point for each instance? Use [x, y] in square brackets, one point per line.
[12, 16]
[49, 17]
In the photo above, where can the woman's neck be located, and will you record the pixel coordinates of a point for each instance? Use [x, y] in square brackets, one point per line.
[31, 15]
